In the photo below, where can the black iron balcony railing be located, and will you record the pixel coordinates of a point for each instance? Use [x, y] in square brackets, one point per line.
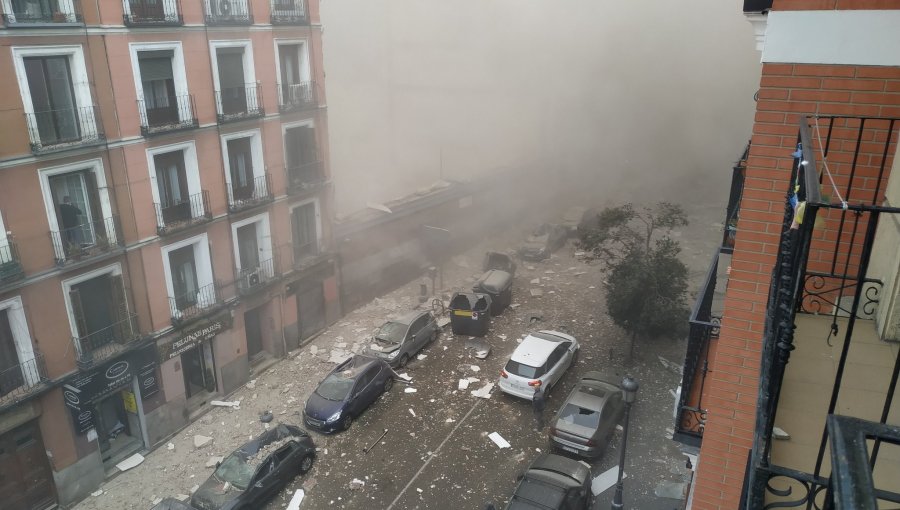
[289, 12]
[822, 266]
[181, 214]
[64, 128]
[10, 265]
[850, 487]
[44, 13]
[255, 278]
[237, 103]
[152, 13]
[305, 177]
[20, 380]
[257, 191]
[167, 113]
[103, 343]
[297, 96]
[195, 303]
[228, 12]
[87, 240]
[732, 210]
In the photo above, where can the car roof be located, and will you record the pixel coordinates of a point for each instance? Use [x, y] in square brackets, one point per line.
[535, 349]
[408, 318]
[574, 471]
[354, 365]
[276, 433]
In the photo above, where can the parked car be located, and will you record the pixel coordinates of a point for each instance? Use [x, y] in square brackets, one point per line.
[545, 240]
[397, 341]
[554, 482]
[171, 504]
[346, 392]
[589, 416]
[539, 361]
[257, 471]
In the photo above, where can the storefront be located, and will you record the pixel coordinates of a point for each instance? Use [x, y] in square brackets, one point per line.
[192, 348]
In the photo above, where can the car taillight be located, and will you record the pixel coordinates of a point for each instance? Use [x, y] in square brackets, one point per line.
[503, 373]
[535, 383]
[590, 442]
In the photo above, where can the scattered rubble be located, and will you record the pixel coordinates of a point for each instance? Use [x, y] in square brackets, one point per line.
[201, 441]
[498, 440]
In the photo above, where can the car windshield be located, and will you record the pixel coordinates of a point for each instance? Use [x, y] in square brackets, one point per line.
[573, 414]
[523, 370]
[335, 387]
[235, 471]
[392, 332]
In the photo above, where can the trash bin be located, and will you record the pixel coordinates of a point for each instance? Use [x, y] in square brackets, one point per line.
[501, 261]
[498, 285]
[470, 313]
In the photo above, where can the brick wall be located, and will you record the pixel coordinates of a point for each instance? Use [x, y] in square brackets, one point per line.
[787, 91]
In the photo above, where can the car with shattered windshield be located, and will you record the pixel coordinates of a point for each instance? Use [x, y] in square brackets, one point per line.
[398, 340]
[348, 390]
[588, 418]
[257, 471]
[554, 482]
[539, 361]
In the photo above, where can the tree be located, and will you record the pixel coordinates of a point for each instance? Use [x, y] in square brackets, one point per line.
[647, 283]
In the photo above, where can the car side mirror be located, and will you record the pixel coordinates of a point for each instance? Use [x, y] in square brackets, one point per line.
[218, 463]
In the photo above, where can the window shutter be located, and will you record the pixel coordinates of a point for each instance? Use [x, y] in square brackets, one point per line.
[119, 310]
[78, 314]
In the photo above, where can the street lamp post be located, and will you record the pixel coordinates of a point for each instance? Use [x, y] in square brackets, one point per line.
[629, 389]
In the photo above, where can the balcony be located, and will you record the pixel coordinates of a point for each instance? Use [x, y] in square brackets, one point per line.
[183, 214]
[829, 371]
[254, 279]
[107, 342]
[228, 12]
[64, 128]
[194, 305]
[167, 114]
[732, 211]
[19, 381]
[239, 103]
[253, 194]
[289, 12]
[293, 97]
[87, 241]
[153, 13]
[59, 14]
[305, 178]
[10, 266]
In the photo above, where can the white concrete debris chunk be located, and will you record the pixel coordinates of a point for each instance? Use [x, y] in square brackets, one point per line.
[251, 384]
[536, 292]
[182, 497]
[296, 500]
[404, 376]
[443, 321]
[619, 428]
[313, 349]
[170, 446]
[536, 281]
[156, 501]
[498, 440]
[779, 433]
[449, 420]
[410, 390]
[356, 484]
[130, 462]
[201, 441]
[194, 488]
[235, 404]
[605, 480]
[97, 492]
[421, 356]
[412, 412]
[475, 368]
[213, 461]
[463, 384]
[484, 391]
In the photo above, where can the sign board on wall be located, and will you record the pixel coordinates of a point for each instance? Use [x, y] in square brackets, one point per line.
[189, 338]
[130, 402]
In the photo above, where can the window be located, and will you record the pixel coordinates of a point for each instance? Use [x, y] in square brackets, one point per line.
[234, 75]
[304, 229]
[295, 86]
[240, 162]
[40, 11]
[253, 247]
[418, 325]
[189, 277]
[245, 174]
[15, 348]
[184, 276]
[301, 155]
[175, 184]
[161, 85]
[99, 313]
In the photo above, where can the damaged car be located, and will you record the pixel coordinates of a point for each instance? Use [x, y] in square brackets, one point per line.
[398, 340]
[257, 471]
[554, 482]
[545, 240]
[538, 362]
[346, 392]
[588, 418]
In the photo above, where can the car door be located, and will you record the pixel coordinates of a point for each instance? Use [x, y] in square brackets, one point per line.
[418, 333]
[554, 368]
[373, 390]
[361, 398]
[564, 358]
[265, 481]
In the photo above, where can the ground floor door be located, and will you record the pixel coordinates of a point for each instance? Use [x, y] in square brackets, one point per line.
[26, 482]
[310, 310]
[118, 426]
[199, 370]
[253, 330]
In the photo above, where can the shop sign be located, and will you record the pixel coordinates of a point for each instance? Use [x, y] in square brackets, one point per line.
[92, 386]
[130, 402]
[83, 420]
[188, 339]
[148, 382]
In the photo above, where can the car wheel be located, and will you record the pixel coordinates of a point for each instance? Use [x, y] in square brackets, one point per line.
[306, 464]
[346, 422]
[388, 384]
[403, 361]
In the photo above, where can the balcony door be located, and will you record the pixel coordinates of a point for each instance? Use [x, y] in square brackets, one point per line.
[77, 204]
[52, 98]
[248, 247]
[300, 145]
[304, 231]
[233, 93]
[184, 277]
[34, 10]
[240, 159]
[294, 90]
[147, 10]
[171, 183]
[99, 307]
[158, 83]
[10, 377]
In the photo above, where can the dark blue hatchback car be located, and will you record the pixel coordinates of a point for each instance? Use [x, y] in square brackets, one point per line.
[346, 392]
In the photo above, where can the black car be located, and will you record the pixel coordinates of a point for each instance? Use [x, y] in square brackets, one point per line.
[554, 482]
[171, 504]
[346, 392]
[257, 471]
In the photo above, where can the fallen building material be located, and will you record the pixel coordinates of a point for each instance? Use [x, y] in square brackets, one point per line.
[484, 391]
[130, 462]
[498, 440]
[296, 500]
[236, 404]
[373, 445]
[605, 480]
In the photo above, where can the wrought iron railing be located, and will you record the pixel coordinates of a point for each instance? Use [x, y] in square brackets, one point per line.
[103, 343]
[22, 379]
[250, 194]
[732, 210]
[178, 215]
[305, 177]
[229, 12]
[289, 12]
[251, 279]
[37, 14]
[152, 13]
[822, 266]
[10, 265]
[195, 303]
[297, 96]
[167, 113]
[64, 128]
[87, 240]
[237, 103]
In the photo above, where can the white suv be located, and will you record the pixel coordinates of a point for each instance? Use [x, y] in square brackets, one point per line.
[539, 361]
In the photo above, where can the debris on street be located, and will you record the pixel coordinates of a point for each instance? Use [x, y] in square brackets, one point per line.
[220, 403]
[201, 441]
[296, 500]
[605, 480]
[484, 391]
[130, 462]
[498, 440]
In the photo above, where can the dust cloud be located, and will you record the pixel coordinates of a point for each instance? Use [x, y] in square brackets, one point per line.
[637, 100]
